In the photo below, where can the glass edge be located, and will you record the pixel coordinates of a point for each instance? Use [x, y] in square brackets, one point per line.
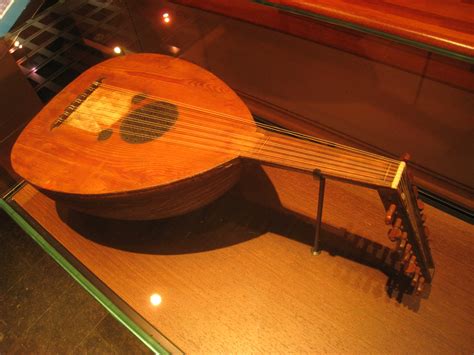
[118, 314]
[353, 26]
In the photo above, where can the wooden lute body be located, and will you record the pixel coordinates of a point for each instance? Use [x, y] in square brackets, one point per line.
[155, 131]
[148, 136]
[114, 177]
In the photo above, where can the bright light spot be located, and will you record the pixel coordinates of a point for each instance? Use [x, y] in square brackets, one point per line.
[167, 20]
[165, 15]
[17, 43]
[117, 50]
[155, 299]
[20, 46]
[174, 50]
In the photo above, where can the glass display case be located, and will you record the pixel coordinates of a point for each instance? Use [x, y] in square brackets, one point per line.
[238, 275]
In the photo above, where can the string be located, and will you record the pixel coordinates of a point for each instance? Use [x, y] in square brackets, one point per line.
[329, 170]
[332, 145]
[258, 154]
[284, 151]
[164, 110]
[299, 148]
[258, 124]
[311, 153]
[279, 156]
[200, 126]
[273, 128]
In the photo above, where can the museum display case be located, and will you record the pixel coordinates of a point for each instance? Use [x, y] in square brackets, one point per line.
[240, 273]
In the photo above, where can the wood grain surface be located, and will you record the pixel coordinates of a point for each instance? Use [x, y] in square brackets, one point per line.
[236, 277]
[148, 136]
[71, 159]
[444, 24]
[71, 163]
[18, 104]
[414, 60]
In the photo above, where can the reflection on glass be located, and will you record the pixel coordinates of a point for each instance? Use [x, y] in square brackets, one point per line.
[166, 17]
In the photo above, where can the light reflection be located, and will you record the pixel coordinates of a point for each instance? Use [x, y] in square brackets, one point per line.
[117, 50]
[174, 50]
[16, 44]
[155, 299]
[165, 17]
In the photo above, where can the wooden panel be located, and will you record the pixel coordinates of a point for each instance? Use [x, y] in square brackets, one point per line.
[448, 70]
[444, 24]
[235, 277]
[18, 104]
[401, 56]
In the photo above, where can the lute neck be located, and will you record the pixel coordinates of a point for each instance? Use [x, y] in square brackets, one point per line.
[331, 159]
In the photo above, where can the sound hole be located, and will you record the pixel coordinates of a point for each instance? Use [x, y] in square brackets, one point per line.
[148, 122]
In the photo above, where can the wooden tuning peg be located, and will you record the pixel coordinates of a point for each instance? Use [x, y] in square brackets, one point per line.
[416, 277]
[411, 265]
[397, 223]
[402, 243]
[390, 213]
[395, 232]
[408, 252]
[420, 285]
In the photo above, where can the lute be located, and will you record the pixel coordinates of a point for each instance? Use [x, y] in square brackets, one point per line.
[148, 136]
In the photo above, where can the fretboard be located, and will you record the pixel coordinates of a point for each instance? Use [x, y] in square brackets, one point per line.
[331, 159]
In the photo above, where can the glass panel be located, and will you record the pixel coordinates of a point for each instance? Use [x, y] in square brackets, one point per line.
[375, 95]
[40, 236]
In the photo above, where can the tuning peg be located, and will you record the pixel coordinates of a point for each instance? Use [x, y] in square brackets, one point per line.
[402, 243]
[390, 213]
[411, 265]
[416, 276]
[420, 204]
[407, 253]
[397, 223]
[420, 285]
[395, 232]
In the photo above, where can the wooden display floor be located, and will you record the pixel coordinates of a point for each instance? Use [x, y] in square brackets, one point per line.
[235, 277]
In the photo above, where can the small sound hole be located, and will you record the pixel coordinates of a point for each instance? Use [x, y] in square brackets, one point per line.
[148, 122]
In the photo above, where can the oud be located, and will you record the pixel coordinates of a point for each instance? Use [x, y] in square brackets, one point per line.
[148, 136]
